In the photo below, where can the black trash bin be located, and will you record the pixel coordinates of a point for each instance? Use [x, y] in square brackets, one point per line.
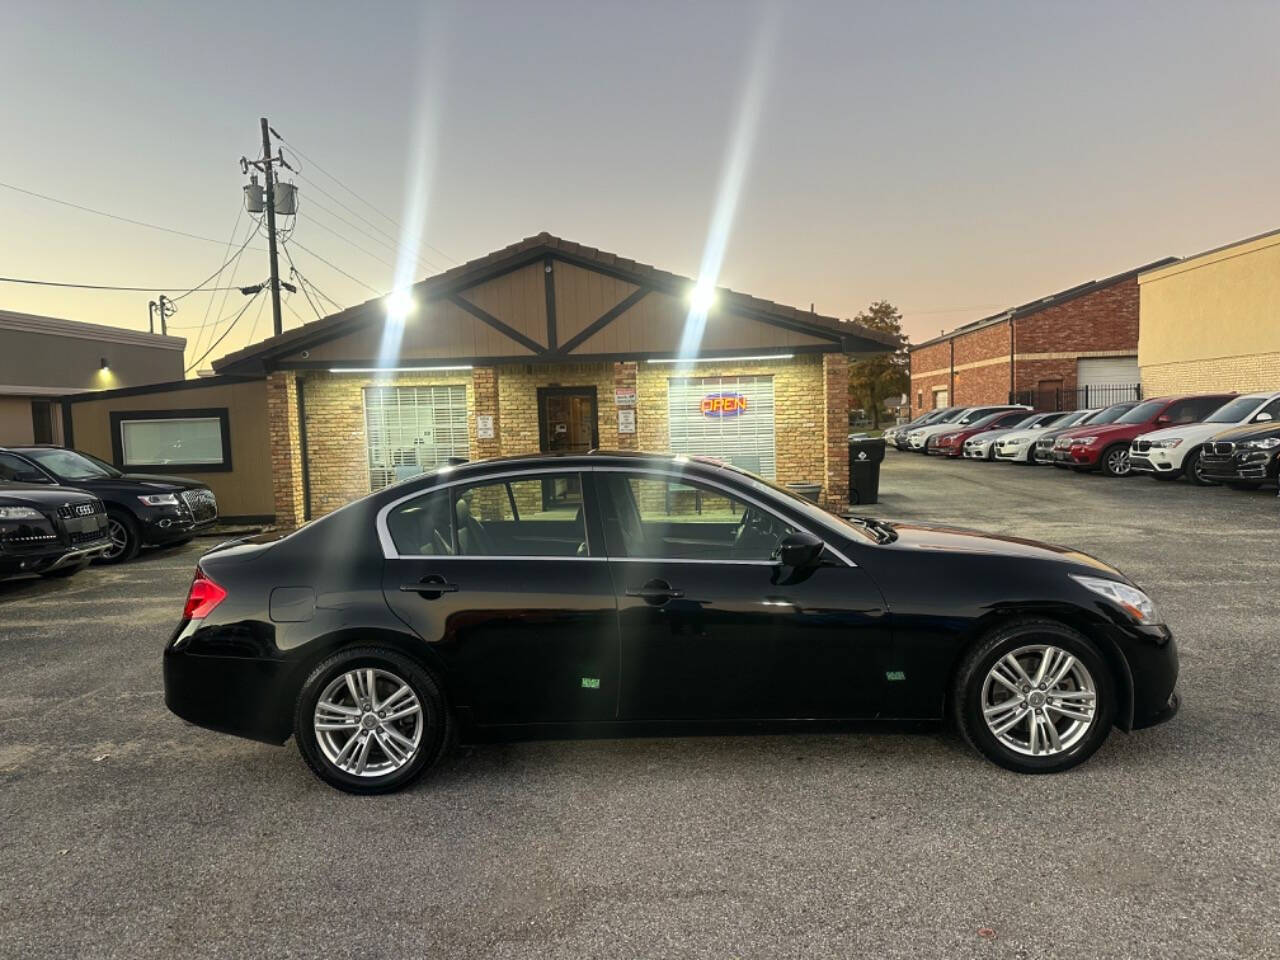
[865, 457]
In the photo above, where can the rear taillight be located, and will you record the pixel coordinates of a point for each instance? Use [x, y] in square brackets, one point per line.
[203, 596]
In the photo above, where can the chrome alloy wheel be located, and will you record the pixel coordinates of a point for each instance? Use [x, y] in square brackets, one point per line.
[119, 539]
[1118, 461]
[1039, 700]
[368, 722]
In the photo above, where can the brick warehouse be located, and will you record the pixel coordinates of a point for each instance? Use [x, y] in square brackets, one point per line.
[1044, 352]
[545, 345]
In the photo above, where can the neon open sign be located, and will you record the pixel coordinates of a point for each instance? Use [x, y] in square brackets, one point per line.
[724, 405]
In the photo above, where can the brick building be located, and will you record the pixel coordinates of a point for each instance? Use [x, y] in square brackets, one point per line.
[1049, 352]
[544, 345]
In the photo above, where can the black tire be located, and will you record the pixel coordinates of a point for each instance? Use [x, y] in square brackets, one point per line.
[1244, 485]
[132, 539]
[437, 721]
[1191, 470]
[1112, 458]
[966, 699]
[64, 572]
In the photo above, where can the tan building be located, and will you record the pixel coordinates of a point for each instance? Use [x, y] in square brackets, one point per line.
[545, 345]
[44, 358]
[1212, 321]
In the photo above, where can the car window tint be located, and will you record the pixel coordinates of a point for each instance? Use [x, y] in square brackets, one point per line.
[421, 526]
[12, 467]
[536, 516]
[676, 519]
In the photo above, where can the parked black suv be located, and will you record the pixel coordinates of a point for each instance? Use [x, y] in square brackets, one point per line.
[1243, 457]
[49, 530]
[142, 509]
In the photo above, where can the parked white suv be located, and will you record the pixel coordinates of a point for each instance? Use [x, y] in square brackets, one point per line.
[918, 439]
[1174, 451]
[1019, 445]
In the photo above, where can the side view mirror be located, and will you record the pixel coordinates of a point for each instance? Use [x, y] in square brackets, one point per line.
[1163, 419]
[1263, 418]
[799, 550]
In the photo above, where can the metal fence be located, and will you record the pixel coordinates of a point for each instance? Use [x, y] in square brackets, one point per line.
[1081, 398]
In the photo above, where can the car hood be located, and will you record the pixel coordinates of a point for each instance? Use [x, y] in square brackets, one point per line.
[1105, 430]
[1250, 431]
[45, 496]
[958, 540]
[986, 436]
[1191, 432]
[157, 481]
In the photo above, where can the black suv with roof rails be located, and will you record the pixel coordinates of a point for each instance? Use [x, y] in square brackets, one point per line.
[142, 509]
[50, 531]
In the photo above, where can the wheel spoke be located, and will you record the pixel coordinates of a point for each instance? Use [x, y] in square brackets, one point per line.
[1007, 725]
[396, 697]
[371, 687]
[354, 686]
[400, 738]
[1068, 661]
[342, 725]
[337, 709]
[1064, 711]
[999, 676]
[1051, 730]
[1018, 672]
[1033, 724]
[405, 712]
[344, 755]
[393, 751]
[1002, 707]
[1049, 654]
[1072, 695]
[363, 758]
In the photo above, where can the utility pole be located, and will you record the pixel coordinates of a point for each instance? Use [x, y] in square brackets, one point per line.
[165, 309]
[271, 230]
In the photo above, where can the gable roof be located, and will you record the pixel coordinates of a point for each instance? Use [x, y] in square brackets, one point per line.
[836, 334]
[1044, 303]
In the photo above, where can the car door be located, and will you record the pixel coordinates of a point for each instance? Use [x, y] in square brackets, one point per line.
[713, 628]
[516, 592]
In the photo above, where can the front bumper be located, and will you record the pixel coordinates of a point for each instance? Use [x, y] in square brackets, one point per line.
[1011, 451]
[1076, 456]
[1244, 465]
[1153, 460]
[977, 451]
[48, 559]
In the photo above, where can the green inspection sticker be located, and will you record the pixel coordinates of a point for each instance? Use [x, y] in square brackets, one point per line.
[591, 683]
[894, 675]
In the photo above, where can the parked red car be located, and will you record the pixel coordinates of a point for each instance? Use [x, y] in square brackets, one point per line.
[952, 444]
[1106, 447]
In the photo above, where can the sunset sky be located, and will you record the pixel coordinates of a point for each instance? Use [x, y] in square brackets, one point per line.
[951, 158]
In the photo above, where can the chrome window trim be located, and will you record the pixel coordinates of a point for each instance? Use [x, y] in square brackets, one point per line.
[389, 551]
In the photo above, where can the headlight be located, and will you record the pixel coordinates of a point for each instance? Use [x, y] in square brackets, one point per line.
[20, 513]
[160, 500]
[1135, 603]
[1165, 444]
[1267, 443]
[1082, 441]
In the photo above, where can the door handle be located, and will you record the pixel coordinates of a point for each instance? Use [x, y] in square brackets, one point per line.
[432, 587]
[656, 592]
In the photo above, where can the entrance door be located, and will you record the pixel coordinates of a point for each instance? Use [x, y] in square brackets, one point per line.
[567, 423]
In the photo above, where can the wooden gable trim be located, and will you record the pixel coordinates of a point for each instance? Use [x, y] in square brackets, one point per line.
[606, 318]
[549, 289]
[484, 316]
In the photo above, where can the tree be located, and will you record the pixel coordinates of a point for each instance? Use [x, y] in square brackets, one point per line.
[876, 378]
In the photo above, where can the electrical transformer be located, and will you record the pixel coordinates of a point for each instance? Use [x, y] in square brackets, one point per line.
[286, 196]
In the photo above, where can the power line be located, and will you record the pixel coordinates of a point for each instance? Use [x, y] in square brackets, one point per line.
[99, 286]
[345, 239]
[213, 346]
[424, 263]
[230, 240]
[390, 220]
[294, 271]
[258, 316]
[226, 261]
[332, 266]
[112, 216]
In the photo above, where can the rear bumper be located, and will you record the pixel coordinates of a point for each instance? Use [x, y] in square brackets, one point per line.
[243, 696]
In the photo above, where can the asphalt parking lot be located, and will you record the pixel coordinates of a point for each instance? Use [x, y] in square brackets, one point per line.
[126, 833]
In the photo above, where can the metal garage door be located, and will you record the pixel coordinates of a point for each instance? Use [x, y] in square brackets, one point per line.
[1107, 371]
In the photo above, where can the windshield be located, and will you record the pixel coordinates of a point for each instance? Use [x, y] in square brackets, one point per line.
[1234, 411]
[1143, 412]
[1111, 414]
[69, 465]
[824, 518]
[1080, 416]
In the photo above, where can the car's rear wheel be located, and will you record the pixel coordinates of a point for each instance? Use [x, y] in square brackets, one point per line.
[125, 540]
[1034, 697]
[370, 720]
[1115, 461]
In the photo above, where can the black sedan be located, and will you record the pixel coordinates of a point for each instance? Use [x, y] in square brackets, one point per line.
[143, 509]
[50, 531]
[617, 593]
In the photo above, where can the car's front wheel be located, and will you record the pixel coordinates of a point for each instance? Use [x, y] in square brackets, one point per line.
[1115, 461]
[1034, 697]
[125, 539]
[1193, 468]
[370, 720]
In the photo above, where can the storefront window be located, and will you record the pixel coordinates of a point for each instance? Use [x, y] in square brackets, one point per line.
[413, 429]
[729, 418]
